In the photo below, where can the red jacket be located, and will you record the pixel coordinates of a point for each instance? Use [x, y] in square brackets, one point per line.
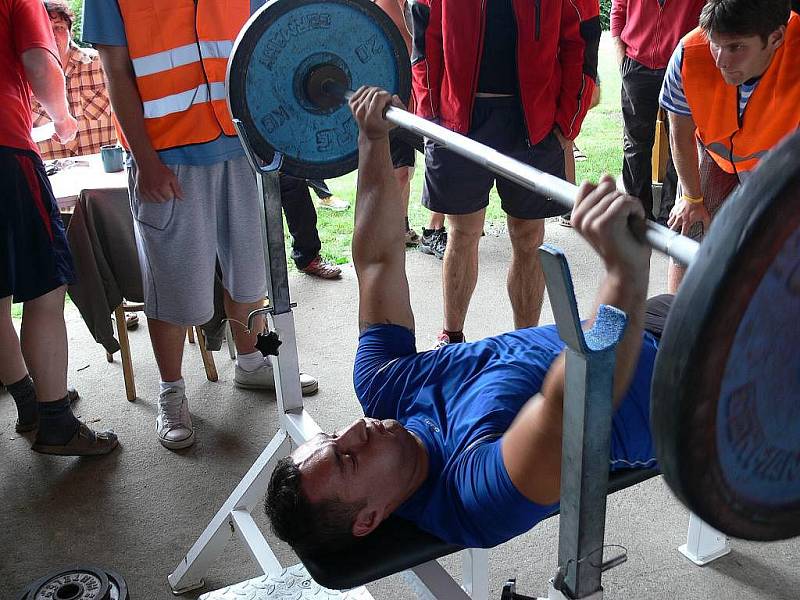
[651, 31]
[557, 43]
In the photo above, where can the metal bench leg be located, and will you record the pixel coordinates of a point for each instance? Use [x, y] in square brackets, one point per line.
[703, 543]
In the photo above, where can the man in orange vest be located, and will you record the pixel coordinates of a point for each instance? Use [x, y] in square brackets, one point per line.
[193, 193]
[732, 89]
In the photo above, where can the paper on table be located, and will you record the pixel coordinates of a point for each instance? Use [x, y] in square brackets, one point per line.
[45, 132]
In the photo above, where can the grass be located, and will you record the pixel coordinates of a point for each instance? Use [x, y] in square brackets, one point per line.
[600, 140]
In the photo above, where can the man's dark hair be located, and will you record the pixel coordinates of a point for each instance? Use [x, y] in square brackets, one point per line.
[309, 528]
[745, 17]
[59, 8]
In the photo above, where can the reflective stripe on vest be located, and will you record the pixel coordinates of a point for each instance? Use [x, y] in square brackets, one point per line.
[177, 57]
[179, 52]
[773, 110]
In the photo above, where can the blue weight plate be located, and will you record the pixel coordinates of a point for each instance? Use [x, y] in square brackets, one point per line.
[275, 51]
[725, 408]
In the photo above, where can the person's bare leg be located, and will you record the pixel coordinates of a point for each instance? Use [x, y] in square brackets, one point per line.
[403, 177]
[460, 271]
[675, 274]
[167, 340]
[436, 221]
[239, 311]
[44, 344]
[525, 277]
[12, 367]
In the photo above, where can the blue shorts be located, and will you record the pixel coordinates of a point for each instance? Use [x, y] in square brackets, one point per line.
[34, 254]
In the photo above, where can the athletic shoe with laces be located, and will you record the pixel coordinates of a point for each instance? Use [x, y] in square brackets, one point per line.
[434, 242]
[263, 378]
[174, 423]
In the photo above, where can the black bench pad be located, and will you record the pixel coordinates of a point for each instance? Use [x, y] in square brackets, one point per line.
[397, 545]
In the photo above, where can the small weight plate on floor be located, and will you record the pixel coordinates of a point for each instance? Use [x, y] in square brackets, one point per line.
[283, 49]
[725, 408]
[118, 589]
[74, 583]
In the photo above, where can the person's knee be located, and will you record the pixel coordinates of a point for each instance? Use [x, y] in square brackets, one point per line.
[51, 301]
[526, 234]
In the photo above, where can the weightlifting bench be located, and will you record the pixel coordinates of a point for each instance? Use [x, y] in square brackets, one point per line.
[397, 545]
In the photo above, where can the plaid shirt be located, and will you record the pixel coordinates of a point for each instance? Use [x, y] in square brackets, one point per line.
[88, 103]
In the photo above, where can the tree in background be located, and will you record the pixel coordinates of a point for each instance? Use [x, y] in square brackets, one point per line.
[605, 14]
[77, 24]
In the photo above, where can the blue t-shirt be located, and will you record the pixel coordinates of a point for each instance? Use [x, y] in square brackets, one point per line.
[459, 400]
[102, 25]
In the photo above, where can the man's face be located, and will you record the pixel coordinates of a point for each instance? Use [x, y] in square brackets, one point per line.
[366, 462]
[740, 58]
[61, 32]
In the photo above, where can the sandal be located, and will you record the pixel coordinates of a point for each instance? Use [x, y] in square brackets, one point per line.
[85, 442]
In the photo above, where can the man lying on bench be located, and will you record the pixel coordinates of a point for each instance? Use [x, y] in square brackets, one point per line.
[464, 441]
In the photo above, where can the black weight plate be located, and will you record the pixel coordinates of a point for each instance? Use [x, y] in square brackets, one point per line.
[725, 409]
[118, 589]
[74, 583]
[279, 46]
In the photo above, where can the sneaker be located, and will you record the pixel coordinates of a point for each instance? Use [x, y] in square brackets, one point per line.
[319, 267]
[333, 203]
[564, 220]
[434, 242]
[85, 442]
[174, 423]
[263, 378]
[442, 341]
[412, 238]
[578, 154]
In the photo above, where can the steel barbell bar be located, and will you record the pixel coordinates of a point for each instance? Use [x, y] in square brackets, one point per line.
[660, 238]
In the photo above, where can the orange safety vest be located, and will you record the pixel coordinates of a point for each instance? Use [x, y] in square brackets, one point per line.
[773, 110]
[179, 50]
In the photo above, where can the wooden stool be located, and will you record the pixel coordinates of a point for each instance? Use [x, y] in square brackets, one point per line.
[125, 349]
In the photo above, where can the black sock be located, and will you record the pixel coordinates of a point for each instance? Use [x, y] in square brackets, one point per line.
[24, 395]
[57, 424]
[407, 225]
[456, 337]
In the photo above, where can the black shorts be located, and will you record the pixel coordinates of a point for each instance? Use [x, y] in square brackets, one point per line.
[34, 254]
[457, 186]
[402, 151]
[656, 311]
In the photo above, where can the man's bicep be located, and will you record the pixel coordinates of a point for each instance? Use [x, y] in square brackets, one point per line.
[384, 296]
[532, 450]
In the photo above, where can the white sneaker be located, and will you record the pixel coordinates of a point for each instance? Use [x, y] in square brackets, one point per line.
[174, 423]
[263, 378]
[334, 203]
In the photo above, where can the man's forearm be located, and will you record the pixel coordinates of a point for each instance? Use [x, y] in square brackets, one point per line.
[46, 79]
[126, 101]
[683, 146]
[380, 214]
[627, 293]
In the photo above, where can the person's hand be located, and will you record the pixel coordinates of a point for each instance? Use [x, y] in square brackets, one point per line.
[619, 50]
[566, 144]
[601, 215]
[66, 128]
[155, 182]
[369, 105]
[684, 214]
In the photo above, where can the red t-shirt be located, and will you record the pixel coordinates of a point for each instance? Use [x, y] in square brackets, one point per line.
[24, 24]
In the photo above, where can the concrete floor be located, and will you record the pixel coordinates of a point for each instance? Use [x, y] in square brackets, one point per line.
[139, 510]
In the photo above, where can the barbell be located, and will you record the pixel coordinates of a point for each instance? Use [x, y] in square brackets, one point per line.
[725, 408]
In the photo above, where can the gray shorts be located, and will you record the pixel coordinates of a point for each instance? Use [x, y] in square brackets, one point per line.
[180, 241]
[455, 185]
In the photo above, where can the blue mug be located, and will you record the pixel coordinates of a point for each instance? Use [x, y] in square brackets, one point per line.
[112, 158]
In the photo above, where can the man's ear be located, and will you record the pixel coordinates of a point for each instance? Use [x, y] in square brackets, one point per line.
[777, 37]
[366, 521]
